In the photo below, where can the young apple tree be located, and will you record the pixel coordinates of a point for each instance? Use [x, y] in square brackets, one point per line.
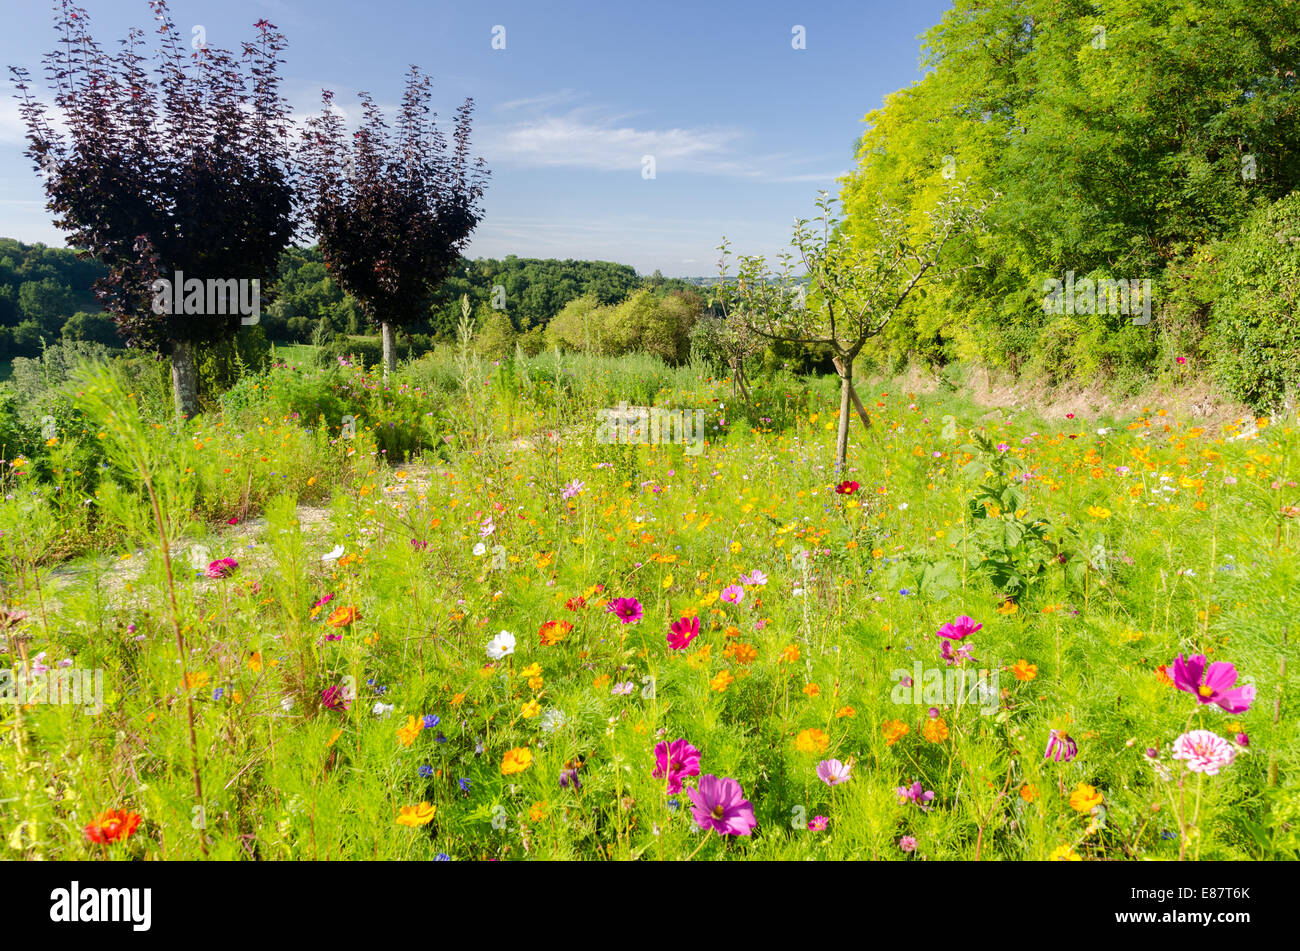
[852, 286]
[392, 212]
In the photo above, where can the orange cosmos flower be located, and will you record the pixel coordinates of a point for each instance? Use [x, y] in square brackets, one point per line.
[408, 733]
[1084, 798]
[342, 617]
[552, 632]
[811, 741]
[417, 815]
[115, 825]
[1028, 792]
[894, 731]
[1024, 670]
[845, 712]
[722, 681]
[935, 730]
[516, 760]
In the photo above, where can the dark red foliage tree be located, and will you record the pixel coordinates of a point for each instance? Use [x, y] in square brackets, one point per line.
[391, 212]
[185, 167]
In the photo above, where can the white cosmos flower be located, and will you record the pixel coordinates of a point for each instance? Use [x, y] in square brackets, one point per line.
[381, 709]
[501, 645]
[479, 549]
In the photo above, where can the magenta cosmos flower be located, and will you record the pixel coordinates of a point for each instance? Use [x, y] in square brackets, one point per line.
[832, 772]
[1205, 752]
[720, 805]
[818, 824]
[1060, 747]
[682, 631]
[962, 627]
[676, 760]
[222, 568]
[627, 609]
[1212, 684]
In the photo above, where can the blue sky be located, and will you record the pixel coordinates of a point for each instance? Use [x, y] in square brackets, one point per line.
[745, 129]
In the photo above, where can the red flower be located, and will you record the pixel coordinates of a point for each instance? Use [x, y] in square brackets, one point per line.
[847, 488]
[116, 825]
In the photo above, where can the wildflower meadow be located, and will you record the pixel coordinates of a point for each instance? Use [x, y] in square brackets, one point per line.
[924, 488]
[479, 631]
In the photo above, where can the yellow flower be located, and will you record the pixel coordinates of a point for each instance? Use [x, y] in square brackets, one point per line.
[538, 811]
[935, 730]
[532, 670]
[418, 815]
[408, 733]
[722, 681]
[195, 680]
[1064, 853]
[516, 760]
[894, 731]
[1024, 670]
[1084, 798]
[811, 741]
[531, 709]
[1098, 511]
[1008, 607]
[255, 662]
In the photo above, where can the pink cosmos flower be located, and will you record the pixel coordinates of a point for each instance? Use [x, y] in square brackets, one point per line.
[720, 805]
[962, 627]
[817, 824]
[755, 578]
[627, 609]
[915, 793]
[733, 594]
[832, 772]
[676, 760]
[222, 568]
[572, 489]
[1212, 684]
[952, 656]
[1205, 752]
[907, 843]
[682, 632]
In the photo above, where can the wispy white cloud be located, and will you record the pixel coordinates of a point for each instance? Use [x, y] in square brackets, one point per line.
[586, 138]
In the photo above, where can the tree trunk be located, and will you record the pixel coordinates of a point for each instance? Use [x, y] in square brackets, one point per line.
[185, 379]
[842, 442]
[390, 348]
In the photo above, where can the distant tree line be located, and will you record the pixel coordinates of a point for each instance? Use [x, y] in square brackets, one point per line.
[45, 295]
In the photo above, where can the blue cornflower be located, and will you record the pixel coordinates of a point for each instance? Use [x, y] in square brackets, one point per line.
[218, 693]
[442, 857]
[464, 785]
[426, 770]
[431, 721]
[440, 738]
